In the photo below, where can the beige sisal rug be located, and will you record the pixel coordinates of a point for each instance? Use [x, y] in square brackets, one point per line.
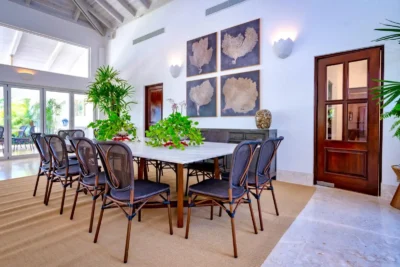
[32, 234]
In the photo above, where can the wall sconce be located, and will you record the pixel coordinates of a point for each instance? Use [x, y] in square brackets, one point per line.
[175, 70]
[283, 47]
[25, 74]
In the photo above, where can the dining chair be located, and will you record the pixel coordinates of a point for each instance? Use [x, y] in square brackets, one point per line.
[67, 135]
[123, 192]
[91, 180]
[66, 171]
[45, 166]
[260, 179]
[233, 191]
[206, 167]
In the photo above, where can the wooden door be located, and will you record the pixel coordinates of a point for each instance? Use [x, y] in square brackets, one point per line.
[347, 123]
[154, 104]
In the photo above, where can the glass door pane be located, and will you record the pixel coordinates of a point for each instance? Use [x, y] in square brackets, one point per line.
[83, 114]
[2, 121]
[57, 112]
[25, 119]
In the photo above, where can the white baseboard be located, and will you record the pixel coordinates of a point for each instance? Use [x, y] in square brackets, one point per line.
[295, 177]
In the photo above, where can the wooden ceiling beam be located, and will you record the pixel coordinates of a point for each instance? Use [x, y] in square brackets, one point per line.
[128, 7]
[84, 8]
[53, 56]
[104, 21]
[14, 46]
[146, 3]
[77, 13]
[107, 7]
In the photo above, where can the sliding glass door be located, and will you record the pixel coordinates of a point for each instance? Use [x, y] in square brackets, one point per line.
[25, 119]
[57, 112]
[83, 114]
[25, 110]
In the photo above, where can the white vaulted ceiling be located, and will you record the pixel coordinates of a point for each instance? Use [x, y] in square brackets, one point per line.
[27, 50]
[102, 15]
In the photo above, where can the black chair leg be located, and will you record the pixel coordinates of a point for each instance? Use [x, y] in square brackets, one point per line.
[235, 254]
[96, 236]
[276, 205]
[220, 211]
[188, 217]
[75, 199]
[187, 181]
[212, 212]
[252, 214]
[128, 238]
[37, 181]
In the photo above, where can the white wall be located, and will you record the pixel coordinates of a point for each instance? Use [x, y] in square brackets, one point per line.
[322, 27]
[31, 20]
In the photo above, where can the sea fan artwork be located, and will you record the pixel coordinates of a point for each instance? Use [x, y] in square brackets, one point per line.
[240, 94]
[239, 46]
[201, 95]
[201, 98]
[201, 54]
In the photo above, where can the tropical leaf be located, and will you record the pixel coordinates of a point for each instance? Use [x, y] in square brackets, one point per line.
[394, 28]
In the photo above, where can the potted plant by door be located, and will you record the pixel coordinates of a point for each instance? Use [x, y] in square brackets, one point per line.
[112, 95]
[389, 94]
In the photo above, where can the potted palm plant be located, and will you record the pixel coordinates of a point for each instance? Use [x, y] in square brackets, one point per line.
[112, 95]
[389, 94]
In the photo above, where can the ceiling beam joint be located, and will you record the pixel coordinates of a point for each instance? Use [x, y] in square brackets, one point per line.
[53, 56]
[146, 3]
[110, 10]
[128, 7]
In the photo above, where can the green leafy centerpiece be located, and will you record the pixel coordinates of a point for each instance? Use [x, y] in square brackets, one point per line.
[110, 93]
[175, 131]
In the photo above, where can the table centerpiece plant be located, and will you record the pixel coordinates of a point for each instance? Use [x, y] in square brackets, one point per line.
[112, 95]
[175, 131]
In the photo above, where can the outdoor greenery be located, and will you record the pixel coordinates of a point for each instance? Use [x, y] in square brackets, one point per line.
[389, 91]
[174, 131]
[23, 113]
[111, 95]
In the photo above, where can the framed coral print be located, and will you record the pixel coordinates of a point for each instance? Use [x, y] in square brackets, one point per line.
[240, 94]
[201, 55]
[240, 46]
[201, 98]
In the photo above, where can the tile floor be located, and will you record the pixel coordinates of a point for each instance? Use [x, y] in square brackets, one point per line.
[336, 228]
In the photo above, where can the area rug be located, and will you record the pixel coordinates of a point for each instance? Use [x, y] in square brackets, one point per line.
[32, 234]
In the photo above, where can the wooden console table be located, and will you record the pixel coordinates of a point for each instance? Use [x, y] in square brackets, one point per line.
[238, 135]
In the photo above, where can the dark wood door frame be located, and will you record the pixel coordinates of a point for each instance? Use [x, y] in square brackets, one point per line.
[146, 102]
[316, 59]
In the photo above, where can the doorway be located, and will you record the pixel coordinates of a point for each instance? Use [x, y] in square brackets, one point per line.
[153, 104]
[347, 121]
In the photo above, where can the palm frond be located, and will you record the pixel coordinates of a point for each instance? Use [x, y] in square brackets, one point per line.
[394, 28]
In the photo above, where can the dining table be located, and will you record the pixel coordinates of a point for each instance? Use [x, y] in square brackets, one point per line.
[208, 150]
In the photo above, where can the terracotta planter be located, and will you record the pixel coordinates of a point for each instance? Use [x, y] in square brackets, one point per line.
[396, 198]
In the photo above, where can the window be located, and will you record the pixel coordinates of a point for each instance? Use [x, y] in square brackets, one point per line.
[27, 50]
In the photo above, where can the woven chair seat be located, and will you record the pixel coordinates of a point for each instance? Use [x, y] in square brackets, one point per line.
[216, 188]
[72, 171]
[91, 181]
[143, 189]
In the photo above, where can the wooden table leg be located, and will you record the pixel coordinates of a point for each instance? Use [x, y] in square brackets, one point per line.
[217, 172]
[142, 166]
[180, 204]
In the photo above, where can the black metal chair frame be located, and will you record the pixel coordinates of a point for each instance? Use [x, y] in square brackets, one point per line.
[65, 180]
[132, 207]
[43, 169]
[95, 190]
[257, 189]
[233, 203]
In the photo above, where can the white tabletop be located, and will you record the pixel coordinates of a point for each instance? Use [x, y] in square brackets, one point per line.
[190, 154]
